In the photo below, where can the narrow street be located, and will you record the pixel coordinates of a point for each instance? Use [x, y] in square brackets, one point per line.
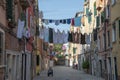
[66, 73]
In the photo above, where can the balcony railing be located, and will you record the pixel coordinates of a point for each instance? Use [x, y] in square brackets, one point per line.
[100, 4]
[25, 3]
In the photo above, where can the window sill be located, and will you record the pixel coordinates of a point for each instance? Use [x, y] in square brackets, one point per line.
[114, 42]
[2, 66]
[113, 4]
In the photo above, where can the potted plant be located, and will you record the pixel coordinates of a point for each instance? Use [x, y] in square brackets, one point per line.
[85, 65]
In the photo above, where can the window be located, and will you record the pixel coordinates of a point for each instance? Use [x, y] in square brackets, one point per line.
[113, 2]
[108, 11]
[97, 21]
[74, 50]
[99, 43]
[103, 41]
[10, 10]
[1, 48]
[105, 64]
[108, 35]
[102, 17]
[37, 60]
[2, 3]
[95, 10]
[119, 28]
[114, 33]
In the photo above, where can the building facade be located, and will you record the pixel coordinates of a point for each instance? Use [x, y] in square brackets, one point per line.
[115, 27]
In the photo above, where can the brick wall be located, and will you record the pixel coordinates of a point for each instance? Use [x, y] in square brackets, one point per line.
[1, 73]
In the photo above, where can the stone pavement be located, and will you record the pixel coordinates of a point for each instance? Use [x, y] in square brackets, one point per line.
[66, 73]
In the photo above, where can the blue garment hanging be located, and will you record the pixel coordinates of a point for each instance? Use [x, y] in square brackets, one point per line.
[77, 21]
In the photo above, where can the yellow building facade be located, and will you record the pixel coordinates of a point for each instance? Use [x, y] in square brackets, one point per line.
[115, 26]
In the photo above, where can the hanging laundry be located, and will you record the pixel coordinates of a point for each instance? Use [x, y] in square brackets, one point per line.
[43, 20]
[50, 21]
[60, 38]
[46, 34]
[70, 39]
[57, 22]
[68, 21]
[50, 35]
[61, 21]
[46, 21]
[77, 21]
[73, 37]
[41, 35]
[21, 25]
[64, 21]
[83, 39]
[26, 32]
[55, 37]
[87, 38]
[76, 37]
[72, 22]
[64, 37]
[32, 28]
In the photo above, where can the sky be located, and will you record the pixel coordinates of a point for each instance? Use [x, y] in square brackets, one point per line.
[60, 9]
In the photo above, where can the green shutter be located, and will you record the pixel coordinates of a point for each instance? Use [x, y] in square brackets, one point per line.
[88, 14]
[97, 21]
[102, 17]
[23, 16]
[87, 11]
[89, 18]
[119, 28]
[9, 9]
[74, 50]
[95, 10]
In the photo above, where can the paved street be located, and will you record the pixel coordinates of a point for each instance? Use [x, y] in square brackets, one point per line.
[66, 73]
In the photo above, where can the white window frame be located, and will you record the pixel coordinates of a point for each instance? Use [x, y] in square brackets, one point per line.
[103, 41]
[113, 2]
[3, 45]
[99, 43]
[114, 32]
[108, 11]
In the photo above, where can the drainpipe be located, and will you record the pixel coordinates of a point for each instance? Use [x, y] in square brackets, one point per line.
[24, 58]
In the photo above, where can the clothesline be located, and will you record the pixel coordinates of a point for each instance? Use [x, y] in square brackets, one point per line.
[73, 21]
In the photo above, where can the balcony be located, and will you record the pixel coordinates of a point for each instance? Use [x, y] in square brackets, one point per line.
[100, 4]
[99, 7]
[11, 24]
[86, 2]
[25, 3]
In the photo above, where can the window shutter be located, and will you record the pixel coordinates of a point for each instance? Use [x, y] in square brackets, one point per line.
[9, 9]
[89, 19]
[95, 10]
[1, 42]
[87, 11]
[74, 50]
[119, 28]
[97, 21]
[102, 17]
